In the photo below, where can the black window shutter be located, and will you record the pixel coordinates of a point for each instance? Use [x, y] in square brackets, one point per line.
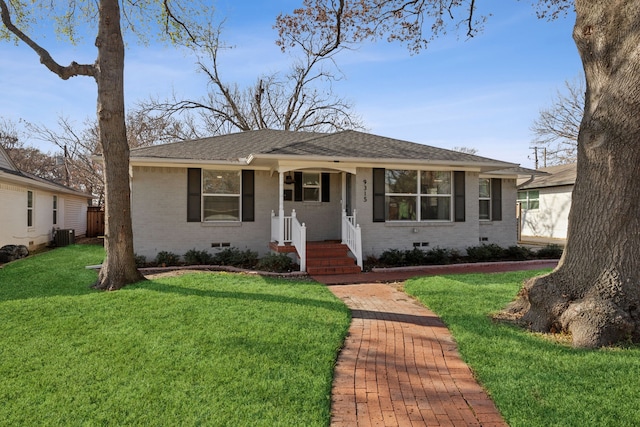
[193, 194]
[459, 207]
[496, 199]
[378, 195]
[325, 186]
[297, 186]
[248, 196]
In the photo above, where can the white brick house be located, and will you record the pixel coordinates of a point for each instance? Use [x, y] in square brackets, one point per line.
[31, 208]
[259, 190]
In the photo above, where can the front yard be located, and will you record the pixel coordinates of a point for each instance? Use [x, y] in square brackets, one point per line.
[196, 349]
[229, 349]
[533, 379]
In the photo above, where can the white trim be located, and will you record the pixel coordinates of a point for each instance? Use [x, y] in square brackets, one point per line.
[288, 163]
[30, 182]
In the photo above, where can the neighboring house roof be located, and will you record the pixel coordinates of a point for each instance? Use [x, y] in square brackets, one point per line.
[246, 147]
[555, 176]
[13, 174]
[5, 161]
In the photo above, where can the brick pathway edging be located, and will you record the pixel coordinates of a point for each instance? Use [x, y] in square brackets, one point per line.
[400, 367]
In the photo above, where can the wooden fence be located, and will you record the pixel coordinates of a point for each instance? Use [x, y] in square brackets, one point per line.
[95, 221]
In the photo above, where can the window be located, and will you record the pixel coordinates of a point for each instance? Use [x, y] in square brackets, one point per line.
[29, 208]
[485, 199]
[529, 200]
[436, 204]
[401, 189]
[221, 195]
[55, 210]
[311, 187]
[412, 195]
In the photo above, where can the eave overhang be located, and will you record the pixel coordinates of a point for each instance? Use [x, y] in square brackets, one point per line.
[32, 183]
[285, 163]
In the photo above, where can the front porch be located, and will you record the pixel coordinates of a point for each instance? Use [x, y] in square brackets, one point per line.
[327, 257]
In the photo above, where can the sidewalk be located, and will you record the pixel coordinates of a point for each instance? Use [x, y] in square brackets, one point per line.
[400, 365]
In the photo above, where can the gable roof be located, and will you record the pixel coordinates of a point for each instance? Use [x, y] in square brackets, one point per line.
[5, 161]
[245, 147]
[555, 176]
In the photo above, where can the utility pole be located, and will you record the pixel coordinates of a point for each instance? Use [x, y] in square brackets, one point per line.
[535, 153]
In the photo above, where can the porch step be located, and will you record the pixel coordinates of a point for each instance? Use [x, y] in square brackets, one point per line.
[286, 248]
[325, 271]
[324, 258]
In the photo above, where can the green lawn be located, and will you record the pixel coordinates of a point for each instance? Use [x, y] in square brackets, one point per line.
[199, 349]
[533, 380]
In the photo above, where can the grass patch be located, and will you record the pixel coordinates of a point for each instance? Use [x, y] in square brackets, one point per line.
[197, 349]
[533, 380]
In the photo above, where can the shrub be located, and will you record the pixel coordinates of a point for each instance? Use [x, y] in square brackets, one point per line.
[280, 263]
[491, 252]
[195, 257]
[550, 252]
[236, 258]
[370, 262]
[392, 258]
[440, 256]
[141, 260]
[518, 253]
[415, 256]
[167, 258]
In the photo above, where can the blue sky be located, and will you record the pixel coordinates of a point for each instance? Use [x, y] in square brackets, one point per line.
[481, 93]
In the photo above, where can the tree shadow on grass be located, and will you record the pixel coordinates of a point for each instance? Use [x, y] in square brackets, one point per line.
[157, 286]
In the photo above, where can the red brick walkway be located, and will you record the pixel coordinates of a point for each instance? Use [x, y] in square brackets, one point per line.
[400, 367]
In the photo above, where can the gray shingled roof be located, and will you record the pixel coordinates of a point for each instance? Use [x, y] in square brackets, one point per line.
[555, 176]
[347, 144]
[47, 182]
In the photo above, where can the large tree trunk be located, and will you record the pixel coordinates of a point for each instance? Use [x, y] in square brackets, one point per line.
[119, 268]
[594, 293]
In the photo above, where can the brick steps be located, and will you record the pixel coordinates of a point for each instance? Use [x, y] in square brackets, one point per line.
[325, 258]
[287, 248]
[327, 271]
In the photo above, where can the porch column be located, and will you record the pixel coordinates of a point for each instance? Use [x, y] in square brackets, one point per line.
[343, 203]
[281, 209]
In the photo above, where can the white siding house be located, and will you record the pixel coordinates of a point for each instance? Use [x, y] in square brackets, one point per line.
[31, 208]
[246, 190]
[544, 202]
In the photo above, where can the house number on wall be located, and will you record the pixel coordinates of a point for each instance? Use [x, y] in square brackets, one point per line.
[364, 193]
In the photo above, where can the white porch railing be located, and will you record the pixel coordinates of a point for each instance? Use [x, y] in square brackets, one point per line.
[352, 235]
[281, 228]
[299, 240]
[287, 229]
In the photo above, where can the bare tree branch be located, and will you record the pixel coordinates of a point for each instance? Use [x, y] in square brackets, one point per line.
[556, 128]
[301, 99]
[178, 22]
[72, 70]
[414, 22]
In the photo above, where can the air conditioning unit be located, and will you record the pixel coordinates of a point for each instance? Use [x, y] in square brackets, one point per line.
[64, 237]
